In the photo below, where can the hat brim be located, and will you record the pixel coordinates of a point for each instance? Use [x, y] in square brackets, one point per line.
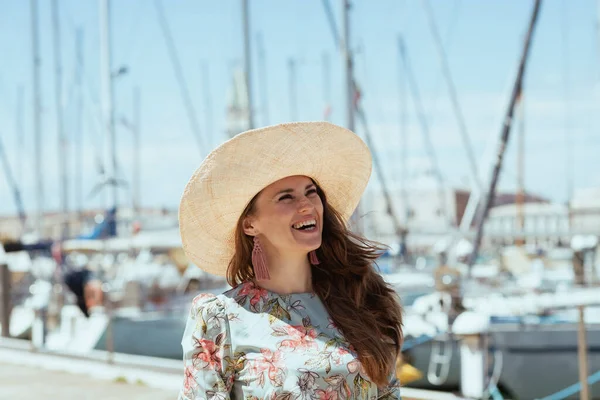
[232, 174]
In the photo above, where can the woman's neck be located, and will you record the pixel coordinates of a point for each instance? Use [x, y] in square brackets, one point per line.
[288, 275]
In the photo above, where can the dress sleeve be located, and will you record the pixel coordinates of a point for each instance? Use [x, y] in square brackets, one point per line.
[207, 359]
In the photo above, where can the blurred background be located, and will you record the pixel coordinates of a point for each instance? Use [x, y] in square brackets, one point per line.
[483, 118]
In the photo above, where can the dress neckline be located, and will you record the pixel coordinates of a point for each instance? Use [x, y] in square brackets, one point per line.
[270, 292]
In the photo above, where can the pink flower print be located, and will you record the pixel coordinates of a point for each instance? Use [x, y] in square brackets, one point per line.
[189, 380]
[254, 292]
[209, 355]
[329, 394]
[301, 338]
[354, 366]
[202, 297]
[338, 354]
[270, 362]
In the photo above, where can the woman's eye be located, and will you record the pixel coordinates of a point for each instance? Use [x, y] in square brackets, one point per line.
[311, 191]
[284, 197]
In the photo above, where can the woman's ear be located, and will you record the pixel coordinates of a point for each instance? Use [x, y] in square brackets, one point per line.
[249, 228]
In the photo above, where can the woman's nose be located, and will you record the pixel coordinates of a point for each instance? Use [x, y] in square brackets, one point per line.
[304, 204]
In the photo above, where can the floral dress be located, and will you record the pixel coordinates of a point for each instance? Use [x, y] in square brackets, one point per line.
[250, 343]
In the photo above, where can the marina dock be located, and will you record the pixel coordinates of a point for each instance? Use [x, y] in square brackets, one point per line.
[28, 374]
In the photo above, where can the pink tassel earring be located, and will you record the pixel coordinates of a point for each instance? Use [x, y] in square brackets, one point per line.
[259, 262]
[312, 256]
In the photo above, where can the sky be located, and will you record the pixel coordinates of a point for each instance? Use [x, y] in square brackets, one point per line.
[482, 40]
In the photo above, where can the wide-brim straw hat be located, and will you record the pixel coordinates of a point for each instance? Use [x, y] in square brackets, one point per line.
[232, 174]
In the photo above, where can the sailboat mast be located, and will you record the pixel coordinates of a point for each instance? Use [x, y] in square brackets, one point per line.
[520, 239]
[505, 134]
[567, 102]
[598, 34]
[403, 134]
[62, 140]
[247, 63]
[207, 101]
[78, 154]
[293, 89]
[37, 128]
[136, 149]
[402, 87]
[348, 65]
[326, 87]
[20, 135]
[263, 79]
[108, 99]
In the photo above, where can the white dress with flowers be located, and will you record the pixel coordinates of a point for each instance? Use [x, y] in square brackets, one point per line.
[250, 343]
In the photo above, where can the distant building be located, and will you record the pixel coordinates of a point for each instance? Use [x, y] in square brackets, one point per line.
[428, 215]
[543, 224]
[585, 211]
[546, 223]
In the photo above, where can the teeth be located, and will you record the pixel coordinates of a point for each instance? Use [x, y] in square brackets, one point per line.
[304, 223]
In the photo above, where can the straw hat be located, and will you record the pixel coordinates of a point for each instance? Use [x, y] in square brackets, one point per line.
[232, 174]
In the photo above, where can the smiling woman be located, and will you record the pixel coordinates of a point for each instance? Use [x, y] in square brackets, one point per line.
[308, 316]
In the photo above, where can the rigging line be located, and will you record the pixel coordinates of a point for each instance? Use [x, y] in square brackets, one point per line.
[9, 107]
[462, 126]
[332, 25]
[191, 113]
[379, 169]
[14, 186]
[447, 43]
[414, 89]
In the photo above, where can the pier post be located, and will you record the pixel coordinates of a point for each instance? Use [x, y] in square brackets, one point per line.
[6, 306]
[582, 354]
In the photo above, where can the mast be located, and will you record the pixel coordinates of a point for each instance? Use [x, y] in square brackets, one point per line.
[78, 153]
[348, 65]
[136, 149]
[326, 87]
[293, 89]
[520, 240]
[598, 34]
[262, 73]
[567, 102]
[62, 140]
[37, 127]
[207, 101]
[20, 131]
[345, 47]
[247, 62]
[108, 99]
[505, 134]
[403, 145]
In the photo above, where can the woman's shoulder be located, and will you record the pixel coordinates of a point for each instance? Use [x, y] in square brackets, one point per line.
[218, 303]
[208, 303]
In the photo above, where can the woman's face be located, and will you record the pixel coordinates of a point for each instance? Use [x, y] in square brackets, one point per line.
[288, 216]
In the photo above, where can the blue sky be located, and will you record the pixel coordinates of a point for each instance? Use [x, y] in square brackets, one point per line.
[482, 39]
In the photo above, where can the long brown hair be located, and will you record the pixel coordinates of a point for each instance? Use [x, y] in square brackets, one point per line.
[362, 306]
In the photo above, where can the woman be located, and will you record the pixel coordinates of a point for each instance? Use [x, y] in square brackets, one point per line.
[308, 317]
